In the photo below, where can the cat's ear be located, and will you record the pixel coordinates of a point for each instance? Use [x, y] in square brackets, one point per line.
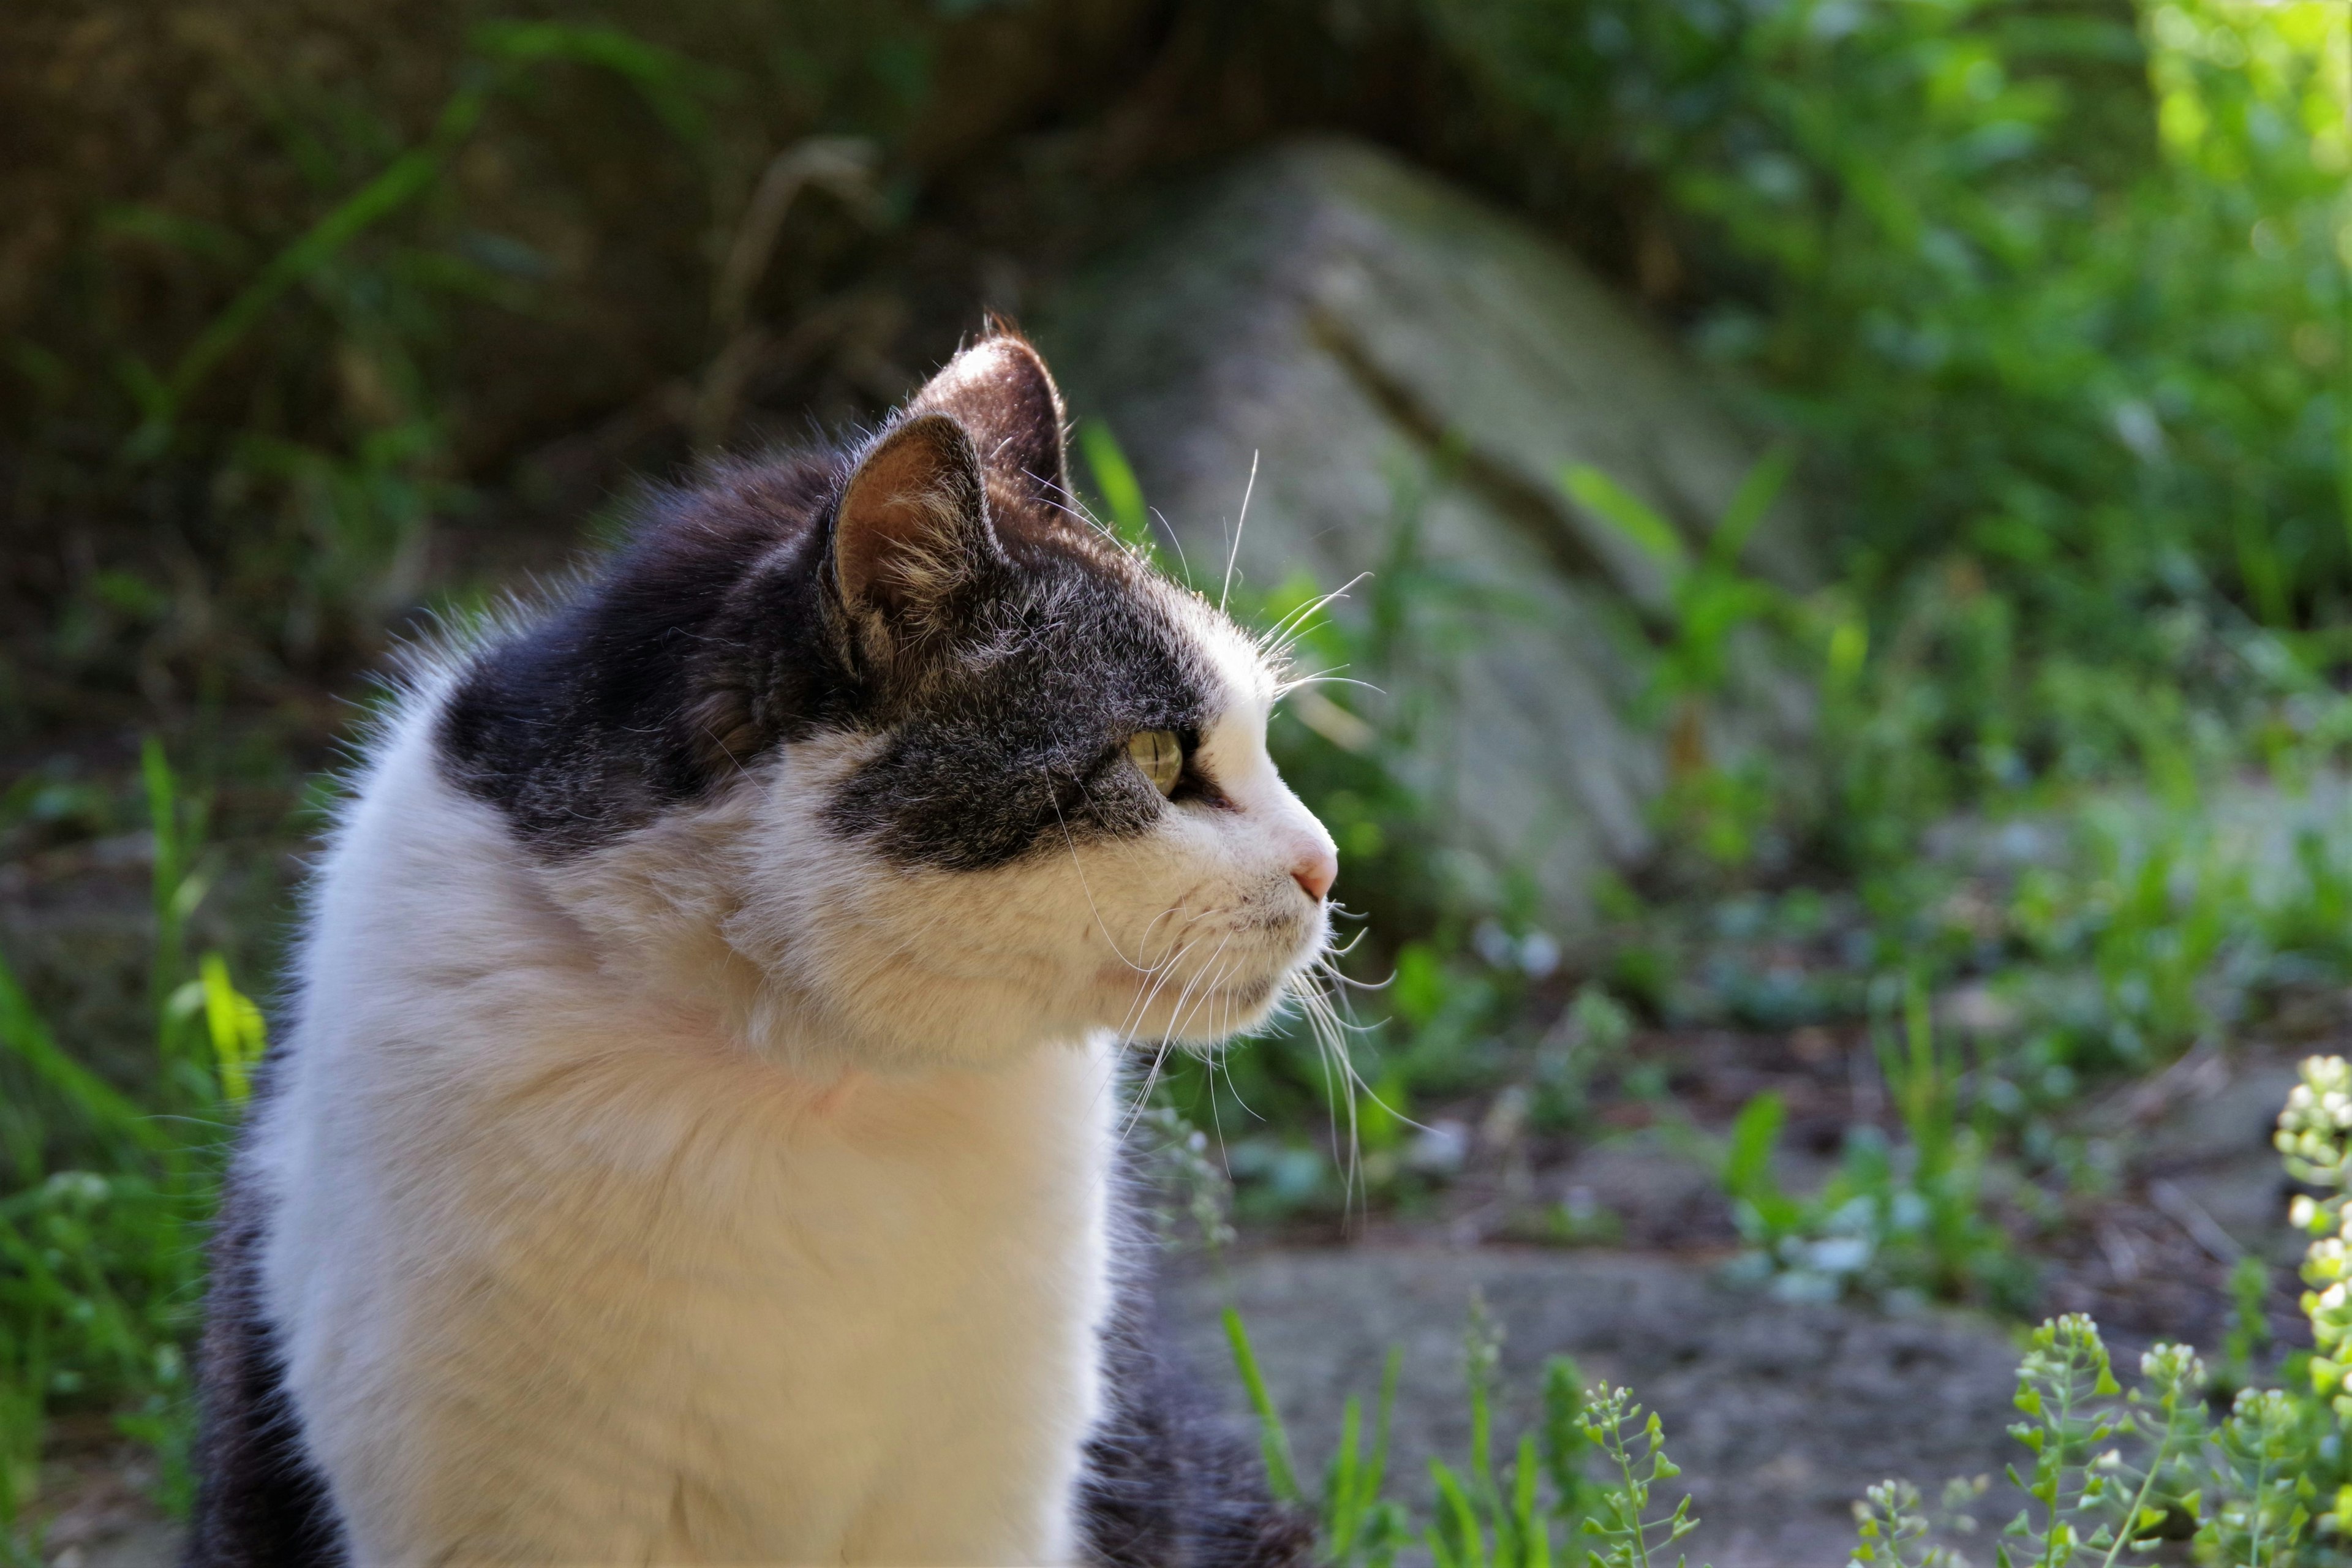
[1000, 391]
[912, 536]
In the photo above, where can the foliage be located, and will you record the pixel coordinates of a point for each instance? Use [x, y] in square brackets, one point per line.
[103, 1255]
[1548, 1502]
[2114, 1476]
[1711, 607]
[258, 485]
[2051, 296]
[2058, 293]
[1899, 1224]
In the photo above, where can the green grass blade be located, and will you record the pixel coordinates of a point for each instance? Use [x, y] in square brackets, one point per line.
[402, 180]
[1455, 1502]
[1630, 516]
[24, 1035]
[1115, 482]
[1341, 1516]
[1368, 1486]
[1759, 489]
[1534, 1535]
[1276, 1442]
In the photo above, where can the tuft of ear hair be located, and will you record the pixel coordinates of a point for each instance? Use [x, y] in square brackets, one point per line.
[912, 529]
[1000, 391]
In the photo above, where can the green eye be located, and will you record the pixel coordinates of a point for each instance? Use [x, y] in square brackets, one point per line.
[1160, 755]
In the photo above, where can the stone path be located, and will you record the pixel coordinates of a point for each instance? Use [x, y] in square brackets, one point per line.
[1779, 1414]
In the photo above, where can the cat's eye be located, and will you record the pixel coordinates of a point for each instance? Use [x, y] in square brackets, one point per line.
[1160, 755]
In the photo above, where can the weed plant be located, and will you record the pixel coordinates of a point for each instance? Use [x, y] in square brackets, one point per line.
[108, 1196]
[1581, 1488]
[2116, 1476]
[2109, 1475]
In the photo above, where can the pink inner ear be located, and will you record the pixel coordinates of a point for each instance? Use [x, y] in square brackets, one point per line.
[912, 517]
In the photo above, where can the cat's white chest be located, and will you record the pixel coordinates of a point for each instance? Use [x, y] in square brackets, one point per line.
[871, 1337]
[901, 1316]
[560, 1278]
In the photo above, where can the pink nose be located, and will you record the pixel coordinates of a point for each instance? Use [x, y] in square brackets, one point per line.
[1316, 872]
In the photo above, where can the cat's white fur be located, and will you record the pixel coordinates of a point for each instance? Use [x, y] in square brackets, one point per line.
[726, 1195]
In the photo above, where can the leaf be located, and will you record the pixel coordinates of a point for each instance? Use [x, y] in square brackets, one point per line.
[238, 1034]
[1116, 482]
[27, 1036]
[1748, 1164]
[1759, 489]
[670, 84]
[1272, 1440]
[1633, 517]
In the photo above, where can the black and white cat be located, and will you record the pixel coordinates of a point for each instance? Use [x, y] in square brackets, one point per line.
[696, 1136]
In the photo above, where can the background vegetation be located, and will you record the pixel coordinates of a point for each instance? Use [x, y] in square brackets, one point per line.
[316, 321]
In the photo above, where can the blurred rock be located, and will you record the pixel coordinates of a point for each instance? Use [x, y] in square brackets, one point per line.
[1394, 351]
[1780, 1414]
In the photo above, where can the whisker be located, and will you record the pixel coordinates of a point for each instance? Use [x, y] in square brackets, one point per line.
[1158, 973]
[1150, 1082]
[1279, 638]
[1182, 564]
[1240, 522]
[1183, 998]
[1327, 677]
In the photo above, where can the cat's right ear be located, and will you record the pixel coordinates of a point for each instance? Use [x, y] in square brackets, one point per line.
[911, 540]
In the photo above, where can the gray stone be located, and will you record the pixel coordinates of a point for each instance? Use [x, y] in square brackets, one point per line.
[1781, 1414]
[1390, 348]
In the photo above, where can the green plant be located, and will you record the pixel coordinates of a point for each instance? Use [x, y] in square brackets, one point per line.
[1622, 1516]
[1896, 1222]
[101, 1223]
[2116, 1476]
[1894, 1528]
[1547, 1506]
[1709, 603]
[311, 416]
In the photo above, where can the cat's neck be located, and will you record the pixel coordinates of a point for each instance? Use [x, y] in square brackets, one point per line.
[697, 924]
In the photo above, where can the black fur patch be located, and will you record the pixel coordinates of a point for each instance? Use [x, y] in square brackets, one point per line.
[699, 646]
[259, 1501]
[1024, 736]
[1168, 1484]
[720, 631]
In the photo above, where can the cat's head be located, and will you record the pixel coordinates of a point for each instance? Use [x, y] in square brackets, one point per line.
[892, 752]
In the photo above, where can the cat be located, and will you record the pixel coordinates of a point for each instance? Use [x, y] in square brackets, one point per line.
[697, 1137]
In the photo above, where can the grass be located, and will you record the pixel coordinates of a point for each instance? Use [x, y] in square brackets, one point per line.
[102, 1229]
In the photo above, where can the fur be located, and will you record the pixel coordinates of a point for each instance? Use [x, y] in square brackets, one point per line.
[696, 1138]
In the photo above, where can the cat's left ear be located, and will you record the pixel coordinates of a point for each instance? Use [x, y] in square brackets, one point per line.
[1000, 391]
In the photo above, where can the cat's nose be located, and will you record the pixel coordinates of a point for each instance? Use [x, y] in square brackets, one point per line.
[1318, 868]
